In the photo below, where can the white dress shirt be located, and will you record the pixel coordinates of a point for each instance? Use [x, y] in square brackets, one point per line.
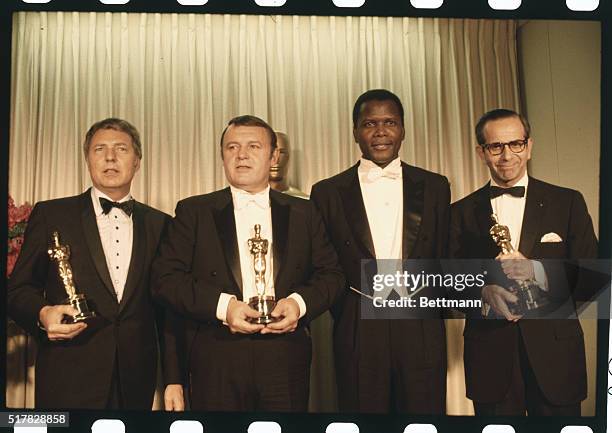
[510, 211]
[383, 198]
[251, 209]
[116, 235]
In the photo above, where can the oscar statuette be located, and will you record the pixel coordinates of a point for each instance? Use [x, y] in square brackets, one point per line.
[262, 303]
[530, 295]
[61, 254]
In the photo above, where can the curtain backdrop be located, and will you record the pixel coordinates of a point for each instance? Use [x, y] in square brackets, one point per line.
[180, 77]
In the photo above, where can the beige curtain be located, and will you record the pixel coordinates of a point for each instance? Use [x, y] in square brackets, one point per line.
[179, 78]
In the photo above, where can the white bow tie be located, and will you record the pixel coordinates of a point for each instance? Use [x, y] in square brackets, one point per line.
[242, 200]
[389, 172]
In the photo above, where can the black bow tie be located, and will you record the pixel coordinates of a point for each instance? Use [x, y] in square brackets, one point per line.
[516, 191]
[125, 206]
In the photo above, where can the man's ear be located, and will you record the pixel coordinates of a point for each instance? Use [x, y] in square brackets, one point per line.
[529, 148]
[480, 151]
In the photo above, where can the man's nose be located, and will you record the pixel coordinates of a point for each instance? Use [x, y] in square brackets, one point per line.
[242, 152]
[110, 154]
[380, 130]
[506, 152]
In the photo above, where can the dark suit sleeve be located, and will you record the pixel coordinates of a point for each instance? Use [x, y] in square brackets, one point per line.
[316, 197]
[581, 236]
[454, 233]
[25, 292]
[173, 283]
[571, 276]
[171, 332]
[173, 348]
[443, 215]
[461, 260]
[327, 280]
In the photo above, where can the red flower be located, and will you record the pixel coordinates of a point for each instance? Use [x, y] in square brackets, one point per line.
[17, 219]
[11, 206]
[17, 214]
[22, 213]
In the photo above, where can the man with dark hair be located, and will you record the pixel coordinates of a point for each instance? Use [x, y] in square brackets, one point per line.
[377, 95]
[110, 241]
[499, 114]
[515, 365]
[210, 266]
[382, 208]
[249, 120]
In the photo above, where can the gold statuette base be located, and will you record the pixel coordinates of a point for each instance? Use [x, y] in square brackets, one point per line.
[264, 305]
[79, 303]
[530, 298]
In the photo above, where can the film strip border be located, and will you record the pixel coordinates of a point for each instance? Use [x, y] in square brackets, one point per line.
[156, 422]
[82, 421]
[557, 9]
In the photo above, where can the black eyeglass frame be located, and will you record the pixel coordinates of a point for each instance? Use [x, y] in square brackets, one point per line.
[520, 144]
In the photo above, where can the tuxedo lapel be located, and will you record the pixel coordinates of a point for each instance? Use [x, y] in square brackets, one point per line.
[138, 254]
[534, 206]
[355, 213]
[414, 200]
[280, 233]
[225, 223]
[483, 212]
[92, 238]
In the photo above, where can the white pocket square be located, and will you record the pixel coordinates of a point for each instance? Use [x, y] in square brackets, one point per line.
[551, 237]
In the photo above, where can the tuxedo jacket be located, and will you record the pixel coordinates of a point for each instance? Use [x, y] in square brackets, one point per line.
[77, 373]
[199, 259]
[555, 347]
[426, 197]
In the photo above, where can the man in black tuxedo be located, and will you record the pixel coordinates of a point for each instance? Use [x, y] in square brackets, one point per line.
[112, 362]
[205, 272]
[382, 208]
[513, 364]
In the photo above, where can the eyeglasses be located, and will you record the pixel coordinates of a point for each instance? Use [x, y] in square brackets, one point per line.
[516, 146]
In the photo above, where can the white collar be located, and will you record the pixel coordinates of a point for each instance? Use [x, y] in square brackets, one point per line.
[241, 197]
[366, 164]
[369, 171]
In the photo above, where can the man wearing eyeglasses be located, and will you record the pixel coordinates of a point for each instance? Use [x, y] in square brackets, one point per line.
[515, 365]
